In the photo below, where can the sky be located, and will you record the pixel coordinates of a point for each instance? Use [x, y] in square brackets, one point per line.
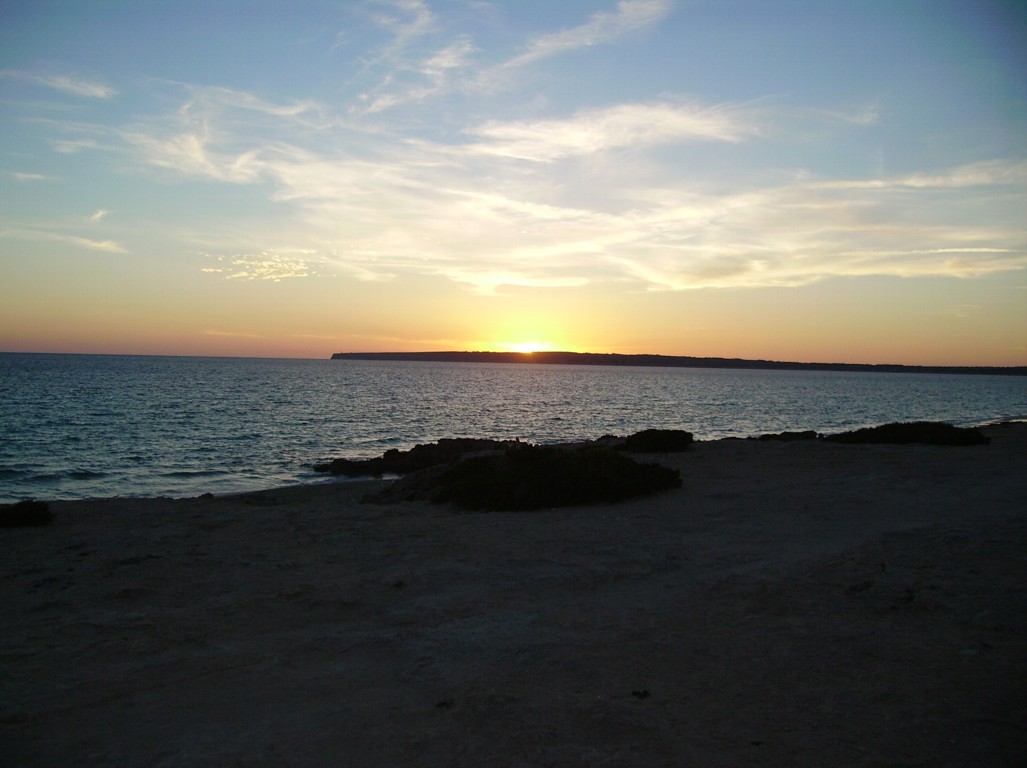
[806, 180]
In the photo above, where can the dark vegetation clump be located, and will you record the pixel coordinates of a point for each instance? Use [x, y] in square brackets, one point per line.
[790, 437]
[528, 477]
[657, 441]
[25, 514]
[929, 432]
[397, 462]
[449, 450]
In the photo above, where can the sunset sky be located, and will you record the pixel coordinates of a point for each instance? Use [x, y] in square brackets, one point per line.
[809, 180]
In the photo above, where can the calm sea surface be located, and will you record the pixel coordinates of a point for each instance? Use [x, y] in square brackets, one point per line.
[77, 426]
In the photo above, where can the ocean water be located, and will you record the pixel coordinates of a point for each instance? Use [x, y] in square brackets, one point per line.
[81, 426]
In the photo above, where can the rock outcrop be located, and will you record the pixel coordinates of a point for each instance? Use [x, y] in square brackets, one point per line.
[527, 477]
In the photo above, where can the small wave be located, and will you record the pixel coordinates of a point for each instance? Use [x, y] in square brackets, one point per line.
[192, 473]
[71, 474]
[86, 474]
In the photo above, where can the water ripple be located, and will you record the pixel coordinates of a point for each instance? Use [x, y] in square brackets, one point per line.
[84, 426]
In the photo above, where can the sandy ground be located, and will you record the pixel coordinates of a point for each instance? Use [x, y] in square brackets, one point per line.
[796, 604]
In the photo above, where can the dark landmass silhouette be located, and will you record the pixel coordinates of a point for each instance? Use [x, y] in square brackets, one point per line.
[668, 361]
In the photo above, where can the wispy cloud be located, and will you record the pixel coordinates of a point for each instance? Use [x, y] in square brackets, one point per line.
[624, 125]
[84, 88]
[406, 23]
[191, 153]
[98, 215]
[202, 137]
[498, 210]
[550, 203]
[602, 27]
[406, 20]
[413, 75]
[74, 86]
[213, 97]
[265, 265]
[432, 76]
[81, 242]
[71, 146]
[799, 234]
[984, 173]
[21, 176]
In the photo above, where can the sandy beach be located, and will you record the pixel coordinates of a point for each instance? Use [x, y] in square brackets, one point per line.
[792, 604]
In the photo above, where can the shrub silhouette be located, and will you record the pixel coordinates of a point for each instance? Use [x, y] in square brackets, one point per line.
[929, 432]
[25, 514]
[657, 441]
[395, 461]
[533, 477]
[790, 437]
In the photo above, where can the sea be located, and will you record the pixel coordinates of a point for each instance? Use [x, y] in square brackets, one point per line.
[98, 426]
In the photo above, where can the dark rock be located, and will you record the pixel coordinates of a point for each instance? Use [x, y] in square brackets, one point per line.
[419, 457]
[789, 437]
[25, 514]
[526, 477]
[929, 432]
[657, 441]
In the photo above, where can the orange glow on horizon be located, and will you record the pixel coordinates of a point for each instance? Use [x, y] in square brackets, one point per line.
[528, 347]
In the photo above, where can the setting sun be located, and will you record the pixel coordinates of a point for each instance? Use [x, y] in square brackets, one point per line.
[527, 347]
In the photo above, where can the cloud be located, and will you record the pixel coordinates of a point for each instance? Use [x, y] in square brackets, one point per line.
[414, 20]
[985, 173]
[432, 77]
[213, 97]
[453, 56]
[66, 84]
[415, 78]
[99, 215]
[82, 88]
[798, 234]
[82, 242]
[540, 203]
[489, 282]
[265, 265]
[71, 146]
[625, 125]
[405, 21]
[602, 27]
[204, 136]
[20, 176]
[864, 116]
[191, 154]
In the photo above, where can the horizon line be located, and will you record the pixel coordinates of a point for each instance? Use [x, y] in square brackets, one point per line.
[558, 357]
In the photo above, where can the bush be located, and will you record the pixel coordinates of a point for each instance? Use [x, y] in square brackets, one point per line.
[421, 456]
[25, 514]
[929, 432]
[532, 477]
[657, 441]
[790, 437]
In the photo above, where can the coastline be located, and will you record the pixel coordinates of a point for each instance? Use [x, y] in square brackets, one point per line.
[544, 357]
[791, 604]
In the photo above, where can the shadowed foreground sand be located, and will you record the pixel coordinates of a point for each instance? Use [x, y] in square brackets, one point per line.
[793, 604]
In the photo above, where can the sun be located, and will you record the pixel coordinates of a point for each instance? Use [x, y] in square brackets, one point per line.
[527, 347]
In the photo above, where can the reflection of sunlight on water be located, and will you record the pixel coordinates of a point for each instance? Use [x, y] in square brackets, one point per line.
[186, 426]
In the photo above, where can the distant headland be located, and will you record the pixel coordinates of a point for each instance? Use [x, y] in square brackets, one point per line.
[667, 361]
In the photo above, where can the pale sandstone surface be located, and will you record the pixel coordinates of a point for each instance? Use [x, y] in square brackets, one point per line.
[792, 604]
